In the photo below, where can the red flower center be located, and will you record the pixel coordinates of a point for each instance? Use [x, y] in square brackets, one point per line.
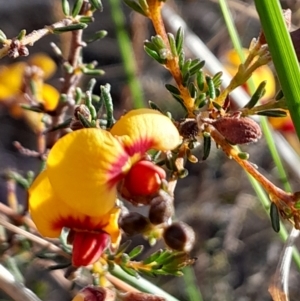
[144, 178]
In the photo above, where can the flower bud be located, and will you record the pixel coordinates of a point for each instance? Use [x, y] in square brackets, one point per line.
[93, 293]
[179, 236]
[134, 223]
[161, 209]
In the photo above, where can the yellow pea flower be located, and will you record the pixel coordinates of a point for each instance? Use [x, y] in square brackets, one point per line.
[78, 189]
[12, 88]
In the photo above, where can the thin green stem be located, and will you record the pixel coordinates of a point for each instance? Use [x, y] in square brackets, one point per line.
[283, 54]
[191, 288]
[234, 37]
[231, 29]
[141, 284]
[274, 153]
[127, 53]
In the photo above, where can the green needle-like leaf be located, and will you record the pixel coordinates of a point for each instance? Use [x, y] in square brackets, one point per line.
[107, 99]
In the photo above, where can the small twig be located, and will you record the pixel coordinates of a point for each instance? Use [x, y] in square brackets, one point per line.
[38, 240]
[35, 35]
[27, 152]
[70, 81]
[11, 194]
[282, 199]
[18, 218]
[14, 289]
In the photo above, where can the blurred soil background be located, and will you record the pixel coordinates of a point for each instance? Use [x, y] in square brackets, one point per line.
[237, 249]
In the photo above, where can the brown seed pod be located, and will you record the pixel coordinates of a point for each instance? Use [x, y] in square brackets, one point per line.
[241, 130]
[179, 236]
[137, 296]
[84, 111]
[76, 124]
[161, 209]
[95, 294]
[188, 129]
[134, 223]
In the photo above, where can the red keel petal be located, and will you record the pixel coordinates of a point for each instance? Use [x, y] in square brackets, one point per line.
[88, 247]
[144, 178]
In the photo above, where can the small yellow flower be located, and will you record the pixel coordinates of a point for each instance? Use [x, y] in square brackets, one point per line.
[78, 189]
[12, 88]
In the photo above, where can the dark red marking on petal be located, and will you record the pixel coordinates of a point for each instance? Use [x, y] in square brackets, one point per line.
[140, 146]
[115, 172]
[85, 224]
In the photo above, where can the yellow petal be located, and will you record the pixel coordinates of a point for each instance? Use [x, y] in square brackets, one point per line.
[6, 92]
[50, 97]
[112, 226]
[147, 129]
[34, 120]
[44, 206]
[43, 61]
[261, 74]
[11, 78]
[84, 168]
[50, 214]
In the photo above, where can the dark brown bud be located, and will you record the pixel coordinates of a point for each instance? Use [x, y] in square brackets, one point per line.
[84, 111]
[16, 49]
[188, 129]
[133, 296]
[179, 236]
[238, 130]
[161, 209]
[13, 51]
[76, 123]
[23, 51]
[134, 223]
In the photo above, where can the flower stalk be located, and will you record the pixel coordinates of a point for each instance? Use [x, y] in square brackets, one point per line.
[286, 202]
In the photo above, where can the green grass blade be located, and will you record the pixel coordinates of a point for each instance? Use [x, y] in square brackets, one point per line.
[127, 54]
[191, 288]
[283, 54]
